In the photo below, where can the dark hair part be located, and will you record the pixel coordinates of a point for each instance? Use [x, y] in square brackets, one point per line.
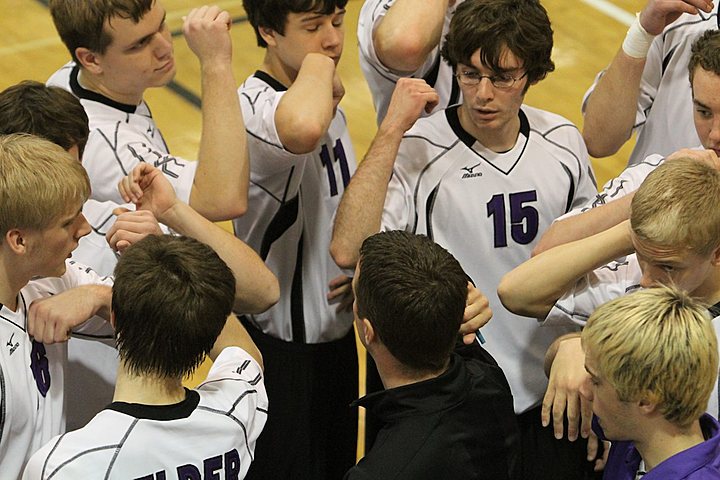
[273, 14]
[522, 26]
[48, 112]
[171, 298]
[81, 23]
[413, 291]
[705, 53]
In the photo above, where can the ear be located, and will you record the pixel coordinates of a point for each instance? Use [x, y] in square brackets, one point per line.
[16, 241]
[368, 331]
[268, 34]
[716, 257]
[112, 319]
[648, 403]
[88, 60]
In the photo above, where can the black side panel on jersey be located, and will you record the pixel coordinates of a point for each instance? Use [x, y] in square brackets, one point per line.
[297, 316]
[429, 205]
[286, 215]
[432, 75]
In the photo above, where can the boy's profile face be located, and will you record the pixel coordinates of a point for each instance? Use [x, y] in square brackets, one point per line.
[615, 416]
[50, 247]
[308, 32]
[678, 266]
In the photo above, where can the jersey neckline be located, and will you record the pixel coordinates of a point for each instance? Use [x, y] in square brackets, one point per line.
[83, 93]
[451, 113]
[176, 411]
[265, 77]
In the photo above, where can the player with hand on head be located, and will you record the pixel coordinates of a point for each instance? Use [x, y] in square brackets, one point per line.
[44, 296]
[652, 360]
[155, 427]
[645, 85]
[401, 39]
[671, 238]
[119, 50]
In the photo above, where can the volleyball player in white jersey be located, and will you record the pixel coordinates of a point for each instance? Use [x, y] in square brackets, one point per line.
[482, 179]
[401, 38]
[645, 88]
[39, 233]
[301, 159]
[119, 50]
[156, 428]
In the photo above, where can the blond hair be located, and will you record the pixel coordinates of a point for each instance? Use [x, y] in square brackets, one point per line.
[677, 206]
[39, 181]
[657, 343]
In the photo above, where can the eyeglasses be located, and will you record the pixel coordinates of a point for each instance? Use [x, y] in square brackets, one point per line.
[501, 80]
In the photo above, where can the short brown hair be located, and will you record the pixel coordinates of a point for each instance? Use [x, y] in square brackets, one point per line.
[81, 23]
[705, 53]
[413, 292]
[39, 181]
[48, 112]
[171, 298]
[522, 26]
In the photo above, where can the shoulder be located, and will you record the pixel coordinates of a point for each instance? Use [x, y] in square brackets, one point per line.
[434, 130]
[546, 123]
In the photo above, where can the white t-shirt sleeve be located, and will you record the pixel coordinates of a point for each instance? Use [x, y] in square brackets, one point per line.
[592, 290]
[234, 363]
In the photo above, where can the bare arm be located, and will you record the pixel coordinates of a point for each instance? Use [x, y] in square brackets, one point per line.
[610, 109]
[408, 32]
[532, 288]
[220, 187]
[585, 224]
[256, 287]
[361, 207]
[235, 335]
[304, 113]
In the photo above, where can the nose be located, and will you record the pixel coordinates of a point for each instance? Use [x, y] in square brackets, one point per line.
[648, 279]
[714, 135]
[162, 44]
[485, 90]
[83, 227]
[333, 39]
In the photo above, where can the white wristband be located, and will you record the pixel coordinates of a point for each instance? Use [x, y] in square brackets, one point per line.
[637, 41]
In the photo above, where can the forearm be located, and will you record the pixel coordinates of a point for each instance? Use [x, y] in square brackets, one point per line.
[220, 188]
[360, 210]
[305, 111]
[235, 335]
[532, 288]
[408, 32]
[611, 107]
[101, 298]
[256, 287]
[588, 223]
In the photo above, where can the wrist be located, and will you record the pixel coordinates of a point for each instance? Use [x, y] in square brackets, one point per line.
[637, 41]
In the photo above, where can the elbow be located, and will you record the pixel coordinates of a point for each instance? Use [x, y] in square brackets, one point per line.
[343, 256]
[265, 297]
[507, 295]
[600, 144]
[403, 52]
[304, 136]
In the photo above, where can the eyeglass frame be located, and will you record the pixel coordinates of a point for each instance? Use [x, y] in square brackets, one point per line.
[462, 78]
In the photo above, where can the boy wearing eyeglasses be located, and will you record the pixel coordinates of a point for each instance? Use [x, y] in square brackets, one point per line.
[483, 179]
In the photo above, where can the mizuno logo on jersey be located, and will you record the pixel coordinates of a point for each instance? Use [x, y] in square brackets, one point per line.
[469, 172]
[12, 346]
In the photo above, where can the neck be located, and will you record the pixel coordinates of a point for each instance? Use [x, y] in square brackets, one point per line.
[274, 67]
[498, 140]
[394, 374]
[95, 84]
[709, 291]
[147, 390]
[664, 441]
[11, 282]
